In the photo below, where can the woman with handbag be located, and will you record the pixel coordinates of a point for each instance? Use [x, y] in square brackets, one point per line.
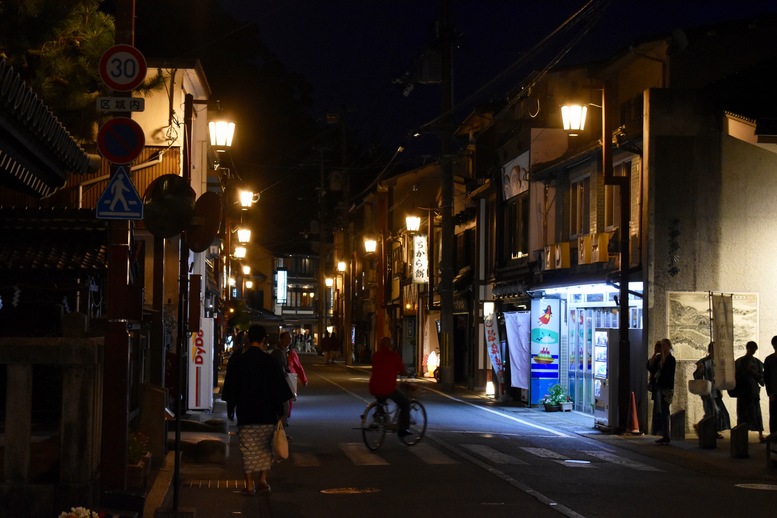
[713, 400]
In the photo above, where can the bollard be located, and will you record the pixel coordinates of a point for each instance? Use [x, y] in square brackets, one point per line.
[739, 437]
[707, 433]
[677, 426]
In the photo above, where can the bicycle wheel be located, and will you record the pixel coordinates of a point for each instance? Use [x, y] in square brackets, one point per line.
[373, 426]
[417, 423]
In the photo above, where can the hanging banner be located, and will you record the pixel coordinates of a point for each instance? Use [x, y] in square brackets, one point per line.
[420, 259]
[545, 332]
[518, 326]
[200, 393]
[723, 336]
[492, 344]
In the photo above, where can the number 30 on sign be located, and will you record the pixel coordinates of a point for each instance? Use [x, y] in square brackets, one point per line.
[122, 68]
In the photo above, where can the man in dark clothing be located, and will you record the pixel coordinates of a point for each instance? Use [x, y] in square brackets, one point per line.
[256, 390]
[770, 380]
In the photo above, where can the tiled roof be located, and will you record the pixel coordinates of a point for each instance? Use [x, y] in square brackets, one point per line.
[36, 151]
[52, 240]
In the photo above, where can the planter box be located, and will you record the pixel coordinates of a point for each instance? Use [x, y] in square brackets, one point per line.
[136, 476]
[563, 407]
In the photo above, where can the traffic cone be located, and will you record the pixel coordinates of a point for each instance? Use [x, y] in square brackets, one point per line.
[633, 419]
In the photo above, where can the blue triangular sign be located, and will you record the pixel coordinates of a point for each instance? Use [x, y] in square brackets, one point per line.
[120, 200]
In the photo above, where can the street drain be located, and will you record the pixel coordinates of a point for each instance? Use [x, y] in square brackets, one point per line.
[764, 487]
[350, 490]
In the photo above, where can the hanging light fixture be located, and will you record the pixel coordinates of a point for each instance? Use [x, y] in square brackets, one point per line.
[221, 133]
[573, 117]
[370, 245]
[240, 252]
[341, 266]
[246, 269]
[243, 234]
[413, 223]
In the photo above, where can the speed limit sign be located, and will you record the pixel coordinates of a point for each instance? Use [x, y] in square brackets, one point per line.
[122, 68]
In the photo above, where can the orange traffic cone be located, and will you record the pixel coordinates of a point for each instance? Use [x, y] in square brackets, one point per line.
[633, 419]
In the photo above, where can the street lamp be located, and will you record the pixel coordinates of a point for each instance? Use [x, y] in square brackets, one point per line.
[183, 289]
[243, 234]
[370, 245]
[624, 185]
[413, 223]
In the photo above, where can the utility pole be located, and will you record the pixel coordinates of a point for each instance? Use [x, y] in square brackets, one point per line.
[446, 261]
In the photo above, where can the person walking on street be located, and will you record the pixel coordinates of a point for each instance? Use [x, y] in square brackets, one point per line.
[770, 380]
[279, 351]
[386, 366]
[662, 368]
[713, 403]
[750, 373]
[295, 368]
[256, 390]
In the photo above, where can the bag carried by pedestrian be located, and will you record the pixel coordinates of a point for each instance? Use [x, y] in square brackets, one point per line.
[700, 387]
[291, 379]
[280, 445]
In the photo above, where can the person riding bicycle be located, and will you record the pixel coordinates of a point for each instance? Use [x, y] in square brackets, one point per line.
[386, 365]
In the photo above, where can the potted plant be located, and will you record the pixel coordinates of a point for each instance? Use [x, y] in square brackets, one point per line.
[137, 450]
[557, 399]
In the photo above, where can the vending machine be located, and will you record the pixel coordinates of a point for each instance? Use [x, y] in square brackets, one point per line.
[605, 389]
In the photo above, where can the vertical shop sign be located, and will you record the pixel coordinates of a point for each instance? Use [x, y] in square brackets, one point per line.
[545, 332]
[420, 260]
[492, 344]
[201, 367]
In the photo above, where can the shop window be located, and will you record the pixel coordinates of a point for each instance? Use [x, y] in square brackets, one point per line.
[517, 226]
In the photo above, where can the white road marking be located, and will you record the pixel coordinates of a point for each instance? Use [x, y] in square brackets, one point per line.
[544, 453]
[430, 455]
[360, 455]
[617, 459]
[492, 455]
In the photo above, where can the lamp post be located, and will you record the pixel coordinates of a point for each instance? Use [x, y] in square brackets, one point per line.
[221, 141]
[574, 125]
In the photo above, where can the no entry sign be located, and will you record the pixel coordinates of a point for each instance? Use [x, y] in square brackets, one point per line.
[122, 68]
[120, 140]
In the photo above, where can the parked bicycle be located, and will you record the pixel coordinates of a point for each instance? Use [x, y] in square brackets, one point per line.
[382, 415]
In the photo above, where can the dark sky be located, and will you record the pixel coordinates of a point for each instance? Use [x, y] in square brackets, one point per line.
[352, 51]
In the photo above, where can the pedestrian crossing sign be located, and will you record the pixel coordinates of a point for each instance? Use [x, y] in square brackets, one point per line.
[120, 200]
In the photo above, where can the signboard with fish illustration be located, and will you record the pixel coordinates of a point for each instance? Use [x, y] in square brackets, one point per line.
[545, 333]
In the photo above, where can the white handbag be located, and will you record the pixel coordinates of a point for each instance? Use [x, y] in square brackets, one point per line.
[700, 387]
[291, 379]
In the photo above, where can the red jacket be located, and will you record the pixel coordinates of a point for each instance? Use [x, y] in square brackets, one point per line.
[386, 365]
[295, 366]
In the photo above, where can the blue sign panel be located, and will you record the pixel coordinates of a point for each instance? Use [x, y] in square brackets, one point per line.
[120, 200]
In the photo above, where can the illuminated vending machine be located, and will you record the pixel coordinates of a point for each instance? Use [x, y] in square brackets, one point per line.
[605, 389]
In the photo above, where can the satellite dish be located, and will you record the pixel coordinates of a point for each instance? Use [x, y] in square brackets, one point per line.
[168, 205]
[206, 221]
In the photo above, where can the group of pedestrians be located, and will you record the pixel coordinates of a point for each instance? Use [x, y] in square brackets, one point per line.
[257, 391]
[750, 375]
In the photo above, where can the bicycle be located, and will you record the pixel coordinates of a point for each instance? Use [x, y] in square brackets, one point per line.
[382, 415]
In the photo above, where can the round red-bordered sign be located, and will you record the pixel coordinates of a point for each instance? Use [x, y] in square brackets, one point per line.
[122, 68]
[120, 140]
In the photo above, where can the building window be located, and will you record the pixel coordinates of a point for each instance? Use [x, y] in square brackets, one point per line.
[612, 199]
[517, 226]
[579, 206]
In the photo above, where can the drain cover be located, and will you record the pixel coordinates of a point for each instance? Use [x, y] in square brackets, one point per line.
[350, 490]
[765, 487]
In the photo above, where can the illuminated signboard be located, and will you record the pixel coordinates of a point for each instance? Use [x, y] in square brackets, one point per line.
[420, 259]
[282, 285]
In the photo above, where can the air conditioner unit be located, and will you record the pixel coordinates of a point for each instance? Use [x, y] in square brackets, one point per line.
[550, 257]
[584, 249]
[599, 251]
[562, 255]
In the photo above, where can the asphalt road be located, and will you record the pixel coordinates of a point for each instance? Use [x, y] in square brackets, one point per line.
[478, 459]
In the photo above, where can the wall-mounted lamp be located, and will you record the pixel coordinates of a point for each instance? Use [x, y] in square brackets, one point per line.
[221, 133]
[341, 266]
[413, 223]
[370, 245]
[246, 269]
[329, 282]
[246, 199]
[231, 281]
[243, 234]
[249, 284]
[573, 117]
[240, 252]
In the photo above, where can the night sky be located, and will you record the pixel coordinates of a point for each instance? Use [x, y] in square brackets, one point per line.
[359, 56]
